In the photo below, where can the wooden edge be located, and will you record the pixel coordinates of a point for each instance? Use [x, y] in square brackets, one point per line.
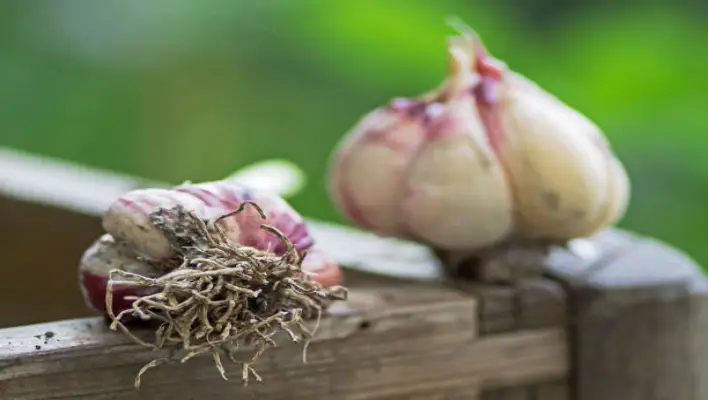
[50, 181]
[638, 317]
[364, 306]
[416, 344]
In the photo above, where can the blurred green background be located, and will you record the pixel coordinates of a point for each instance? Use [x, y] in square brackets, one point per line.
[176, 90]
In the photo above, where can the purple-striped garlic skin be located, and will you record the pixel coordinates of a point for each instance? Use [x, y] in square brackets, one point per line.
[486, 158]
[280, 215]
[128, 218]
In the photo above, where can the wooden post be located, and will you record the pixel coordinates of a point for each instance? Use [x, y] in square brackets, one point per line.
[639, 325]
[637, 318]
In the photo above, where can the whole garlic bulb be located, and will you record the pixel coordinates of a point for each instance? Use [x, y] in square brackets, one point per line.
[488, 157]
[131, 233]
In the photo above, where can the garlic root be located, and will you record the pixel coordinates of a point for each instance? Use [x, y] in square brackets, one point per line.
[222, 296]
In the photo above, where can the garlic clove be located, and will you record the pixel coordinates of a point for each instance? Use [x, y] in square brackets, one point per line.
[392, 173]
[368, 171]
[322, 268]
[458, 197]
[103, 256]
[128, 219]
[558, 177]
[227, 196]
[618, 195]
[556, 163]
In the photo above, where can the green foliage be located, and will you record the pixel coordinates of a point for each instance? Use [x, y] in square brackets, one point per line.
[194, 90]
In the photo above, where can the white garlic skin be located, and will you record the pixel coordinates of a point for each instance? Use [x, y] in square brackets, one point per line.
[487, 158]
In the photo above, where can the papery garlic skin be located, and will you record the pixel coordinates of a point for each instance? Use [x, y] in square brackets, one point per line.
[128, 218]
[487, 158]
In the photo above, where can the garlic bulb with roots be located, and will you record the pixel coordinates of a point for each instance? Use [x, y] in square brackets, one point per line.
[134, 243]
[485, 160]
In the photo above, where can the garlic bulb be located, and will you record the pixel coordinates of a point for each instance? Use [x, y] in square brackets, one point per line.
[486, 158]
[134, 244]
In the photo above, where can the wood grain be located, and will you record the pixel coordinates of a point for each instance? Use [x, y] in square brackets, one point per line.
[531, 304]
[639, 321]
[381, 345]
[558, 390]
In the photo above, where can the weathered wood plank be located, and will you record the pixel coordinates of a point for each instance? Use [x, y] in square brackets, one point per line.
[384, 344]
[639, 320]
[537, 302]
[532, 303]
[509, 393]
[559, 390]
[367, 252]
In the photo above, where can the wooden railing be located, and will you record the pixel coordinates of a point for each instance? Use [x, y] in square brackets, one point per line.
[625, 319]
